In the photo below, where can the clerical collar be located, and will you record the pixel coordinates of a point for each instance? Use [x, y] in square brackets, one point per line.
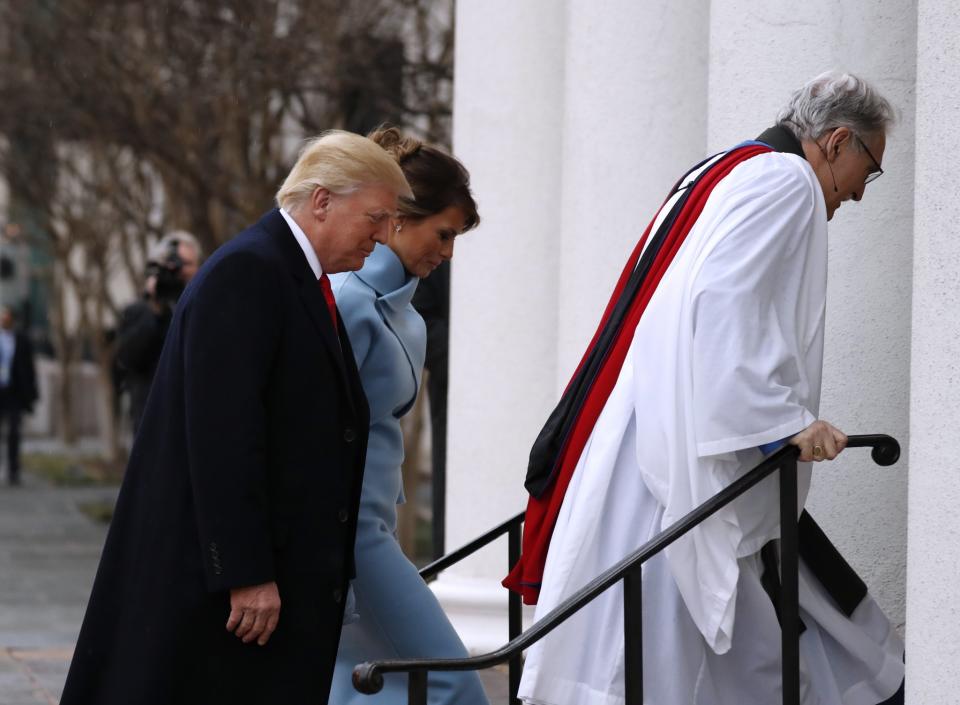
[782, 140]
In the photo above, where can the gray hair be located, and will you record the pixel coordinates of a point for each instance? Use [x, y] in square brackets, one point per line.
[836, 99]
[159, 251]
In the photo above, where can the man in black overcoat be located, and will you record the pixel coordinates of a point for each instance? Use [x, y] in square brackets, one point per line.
[224, 573]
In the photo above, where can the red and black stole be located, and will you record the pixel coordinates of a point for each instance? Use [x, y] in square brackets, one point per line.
[558, 447]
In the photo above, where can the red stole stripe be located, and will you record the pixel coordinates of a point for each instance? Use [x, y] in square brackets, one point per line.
[542, 512]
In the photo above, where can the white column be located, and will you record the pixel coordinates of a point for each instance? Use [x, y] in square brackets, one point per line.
[507, 131]
[634, 120]
[574, 118]
[759, 52]
[933, 560]
[508, 105]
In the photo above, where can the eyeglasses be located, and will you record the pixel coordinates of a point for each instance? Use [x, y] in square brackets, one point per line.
[878, 171]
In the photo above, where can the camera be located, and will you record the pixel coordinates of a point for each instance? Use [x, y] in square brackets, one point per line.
[167, 271]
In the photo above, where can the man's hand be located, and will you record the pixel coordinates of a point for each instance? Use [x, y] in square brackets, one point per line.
[254, 612]
[819, 441]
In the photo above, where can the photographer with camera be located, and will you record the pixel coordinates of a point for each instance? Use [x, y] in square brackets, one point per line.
[143, 325]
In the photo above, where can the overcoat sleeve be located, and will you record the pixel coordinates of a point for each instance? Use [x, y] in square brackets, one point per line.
[231, 334]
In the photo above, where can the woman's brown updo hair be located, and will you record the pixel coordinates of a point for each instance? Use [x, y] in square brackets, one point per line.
[438, 180]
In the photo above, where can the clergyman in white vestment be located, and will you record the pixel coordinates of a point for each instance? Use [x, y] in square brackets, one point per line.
[725, 360]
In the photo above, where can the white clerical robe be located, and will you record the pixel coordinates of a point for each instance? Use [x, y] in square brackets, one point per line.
[726, 357]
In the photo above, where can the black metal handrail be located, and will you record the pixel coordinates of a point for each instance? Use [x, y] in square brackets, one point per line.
[430, 571]
[368, 677]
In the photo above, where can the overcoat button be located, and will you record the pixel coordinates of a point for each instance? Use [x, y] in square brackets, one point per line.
[343, 515]
[349, 436]
[337, 595]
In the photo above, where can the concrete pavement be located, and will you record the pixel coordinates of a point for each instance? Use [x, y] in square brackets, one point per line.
[48, 557]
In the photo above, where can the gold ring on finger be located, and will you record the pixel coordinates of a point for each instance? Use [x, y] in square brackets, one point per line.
[818, 452]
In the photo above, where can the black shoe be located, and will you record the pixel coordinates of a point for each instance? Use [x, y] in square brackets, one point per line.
[15, 481]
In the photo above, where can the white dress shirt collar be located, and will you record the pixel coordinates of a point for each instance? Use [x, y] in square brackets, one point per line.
[304, 243]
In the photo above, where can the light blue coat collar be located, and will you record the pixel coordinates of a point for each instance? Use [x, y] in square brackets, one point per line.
[384, 273]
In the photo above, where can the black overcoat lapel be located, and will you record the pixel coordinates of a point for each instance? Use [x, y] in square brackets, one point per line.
[312, 297]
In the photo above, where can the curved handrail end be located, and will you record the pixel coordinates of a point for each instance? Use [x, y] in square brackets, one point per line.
[367, 678]
[885, 450]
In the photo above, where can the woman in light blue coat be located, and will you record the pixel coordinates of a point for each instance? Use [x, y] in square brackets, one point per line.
[395, 615]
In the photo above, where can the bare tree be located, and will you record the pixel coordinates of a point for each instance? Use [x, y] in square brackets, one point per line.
[126, 118]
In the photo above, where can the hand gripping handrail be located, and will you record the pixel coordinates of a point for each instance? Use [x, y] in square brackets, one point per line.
[368, 677]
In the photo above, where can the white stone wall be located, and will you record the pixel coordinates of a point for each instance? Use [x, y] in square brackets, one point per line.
[933, 565]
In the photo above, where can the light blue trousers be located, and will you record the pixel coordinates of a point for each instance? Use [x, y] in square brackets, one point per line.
[399, 618]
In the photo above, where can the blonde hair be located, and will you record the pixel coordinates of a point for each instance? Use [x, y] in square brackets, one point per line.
[340, 162]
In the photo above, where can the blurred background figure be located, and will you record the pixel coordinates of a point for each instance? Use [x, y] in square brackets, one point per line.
[14, 267]
[18, 387]
[143, 324]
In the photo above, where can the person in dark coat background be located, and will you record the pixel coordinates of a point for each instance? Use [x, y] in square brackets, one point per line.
[18, 387]
[225, 569]
[143, 324]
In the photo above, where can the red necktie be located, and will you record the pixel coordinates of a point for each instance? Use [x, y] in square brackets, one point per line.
[331, 302]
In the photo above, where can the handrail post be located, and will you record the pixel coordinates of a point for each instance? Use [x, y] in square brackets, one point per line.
[633, 636]
[789, 575]
[417, 688]
[514, 613]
